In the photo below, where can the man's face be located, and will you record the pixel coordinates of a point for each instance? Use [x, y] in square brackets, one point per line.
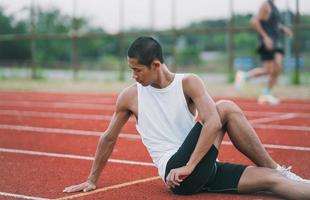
[141, 73]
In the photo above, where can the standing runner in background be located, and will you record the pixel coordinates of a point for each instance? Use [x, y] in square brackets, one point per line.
[267, 25]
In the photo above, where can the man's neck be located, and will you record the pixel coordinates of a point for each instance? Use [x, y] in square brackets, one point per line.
[165, 77]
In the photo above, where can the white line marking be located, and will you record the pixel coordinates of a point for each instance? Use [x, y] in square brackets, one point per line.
[303, 106]
[282, 127]
[58, 115]
[258, 113]
[55, 115]
[57, 104]
[92, 100]
[21, 196]
[63, 131]
[40, 104]
[273, 118]
[126, 135]
[71, 156]
[109, 117]
[263, 113]
[110, 188]
[275, 146]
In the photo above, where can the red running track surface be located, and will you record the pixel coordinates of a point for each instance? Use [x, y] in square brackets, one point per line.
[47, 141]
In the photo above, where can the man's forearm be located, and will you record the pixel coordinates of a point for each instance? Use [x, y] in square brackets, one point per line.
[206, 139]
[103, 152]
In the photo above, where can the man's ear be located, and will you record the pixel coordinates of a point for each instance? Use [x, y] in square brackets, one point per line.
[156, 64]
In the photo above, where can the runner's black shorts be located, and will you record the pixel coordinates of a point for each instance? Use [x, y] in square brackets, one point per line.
[266, 54]
[209, 175]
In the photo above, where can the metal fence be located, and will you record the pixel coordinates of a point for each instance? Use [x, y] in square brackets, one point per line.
[177, 49]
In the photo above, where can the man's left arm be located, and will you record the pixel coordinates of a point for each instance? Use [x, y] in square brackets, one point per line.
[195, 90]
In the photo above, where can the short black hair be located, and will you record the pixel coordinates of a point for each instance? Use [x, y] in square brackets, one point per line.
[145, 50]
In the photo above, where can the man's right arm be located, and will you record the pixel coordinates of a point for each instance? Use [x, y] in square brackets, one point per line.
[105, 146]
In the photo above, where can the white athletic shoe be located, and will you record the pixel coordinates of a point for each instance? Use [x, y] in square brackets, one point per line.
[268, 99]
[290, 175]
[240, 80]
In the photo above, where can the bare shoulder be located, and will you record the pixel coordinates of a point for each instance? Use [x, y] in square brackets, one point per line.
[264, 11]
[126, 99]
[266, 6]
[190, 80]
[192, 83]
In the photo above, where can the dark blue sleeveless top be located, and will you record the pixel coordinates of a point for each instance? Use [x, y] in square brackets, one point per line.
[271, 25]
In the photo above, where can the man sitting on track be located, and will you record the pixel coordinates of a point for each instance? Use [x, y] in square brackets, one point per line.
[183, 147]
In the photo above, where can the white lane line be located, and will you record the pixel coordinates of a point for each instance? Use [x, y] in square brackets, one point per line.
[62, 131]
[258, 113]
[136, 136]
[108, 117]
[121, 185]
[282, 127]
[57, 104]
[275, 146]
[40, 104]
[133, 136]
[21, 196]
[303, 106]
[273, 118]
[95, 100]
[54, 115]
[298, 148]
[129, 162]
[57, 115]
[71, 156]
[263, 113]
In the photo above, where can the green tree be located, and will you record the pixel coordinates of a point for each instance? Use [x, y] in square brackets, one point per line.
[13, 50]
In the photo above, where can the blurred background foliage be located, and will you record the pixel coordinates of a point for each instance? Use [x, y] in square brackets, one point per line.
[201, 51]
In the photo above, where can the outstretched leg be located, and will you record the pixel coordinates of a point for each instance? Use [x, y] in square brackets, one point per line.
[256, 179]
[242, 134]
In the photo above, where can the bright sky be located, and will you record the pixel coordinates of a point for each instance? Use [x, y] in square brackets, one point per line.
[137, 13]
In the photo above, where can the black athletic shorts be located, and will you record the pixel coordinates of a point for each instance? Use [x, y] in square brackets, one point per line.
[266, 54]
[209, 175]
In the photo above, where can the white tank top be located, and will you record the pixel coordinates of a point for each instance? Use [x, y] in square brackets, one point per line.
[164, 120]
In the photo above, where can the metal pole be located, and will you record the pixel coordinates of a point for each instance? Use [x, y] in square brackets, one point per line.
[75, 46]
[34, 74]
[174, 36]
[296, 78]
[231, 43]
[121, 40]
[287, 41]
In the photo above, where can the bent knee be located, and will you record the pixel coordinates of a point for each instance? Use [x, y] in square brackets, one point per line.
[278, 69]
[227, 107]
[274, 69]
[224, 103]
